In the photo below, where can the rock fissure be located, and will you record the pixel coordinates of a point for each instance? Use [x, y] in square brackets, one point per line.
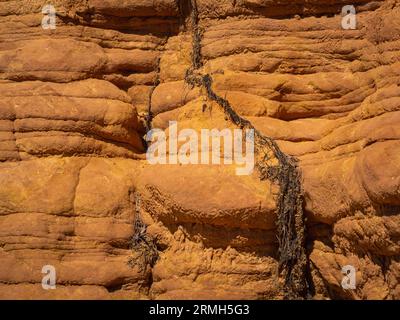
[149, 116]
[293, 260]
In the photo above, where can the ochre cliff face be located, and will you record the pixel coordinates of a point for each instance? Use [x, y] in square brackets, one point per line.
[74, 105]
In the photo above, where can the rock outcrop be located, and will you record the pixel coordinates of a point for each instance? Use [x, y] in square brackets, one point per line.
[74, 108]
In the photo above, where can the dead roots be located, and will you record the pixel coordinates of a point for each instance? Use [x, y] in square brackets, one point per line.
[144, 249]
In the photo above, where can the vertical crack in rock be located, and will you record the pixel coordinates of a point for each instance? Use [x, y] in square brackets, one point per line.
[144, 249]
[293, 260]
[149, 116]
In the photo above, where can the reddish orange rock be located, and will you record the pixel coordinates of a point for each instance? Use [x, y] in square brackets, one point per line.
[73, 109]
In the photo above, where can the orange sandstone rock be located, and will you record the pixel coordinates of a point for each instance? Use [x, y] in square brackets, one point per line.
[73, 103]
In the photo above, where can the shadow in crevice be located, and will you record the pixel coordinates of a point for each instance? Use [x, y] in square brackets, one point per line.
[319, 232]
[259, 242]
[155, 26]
[387, 209]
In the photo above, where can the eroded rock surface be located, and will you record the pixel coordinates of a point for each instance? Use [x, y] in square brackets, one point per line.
[74, 107]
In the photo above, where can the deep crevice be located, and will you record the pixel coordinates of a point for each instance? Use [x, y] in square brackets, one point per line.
[293, 260]
[149, 116]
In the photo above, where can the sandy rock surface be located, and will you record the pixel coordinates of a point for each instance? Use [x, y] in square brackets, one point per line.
[73, 107]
